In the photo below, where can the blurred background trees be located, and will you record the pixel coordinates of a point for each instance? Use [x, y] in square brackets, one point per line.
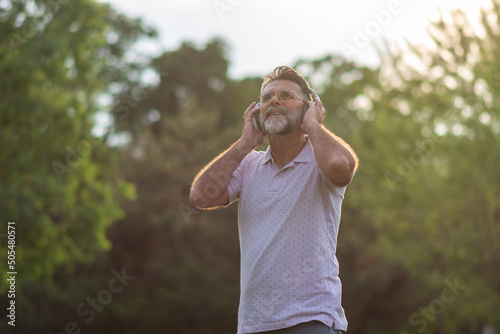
[55, 61]
[420, 221]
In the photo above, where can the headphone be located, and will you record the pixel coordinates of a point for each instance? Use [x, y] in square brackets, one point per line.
[256, 117]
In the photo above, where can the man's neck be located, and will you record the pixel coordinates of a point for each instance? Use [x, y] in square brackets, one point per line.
[285, 148]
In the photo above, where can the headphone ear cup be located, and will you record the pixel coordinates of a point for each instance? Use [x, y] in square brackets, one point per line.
[256, 123]
[314, 95]
[304, 109]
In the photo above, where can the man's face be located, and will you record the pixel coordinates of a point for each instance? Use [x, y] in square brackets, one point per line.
[281, 116]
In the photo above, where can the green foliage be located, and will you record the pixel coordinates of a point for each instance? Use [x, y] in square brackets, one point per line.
[187, 261]
[56, 58]
[420, 220]
[443, 212]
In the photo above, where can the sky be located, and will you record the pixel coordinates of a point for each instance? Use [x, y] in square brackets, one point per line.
[263, 34]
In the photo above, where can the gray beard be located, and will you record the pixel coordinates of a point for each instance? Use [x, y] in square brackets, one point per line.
[292, 121]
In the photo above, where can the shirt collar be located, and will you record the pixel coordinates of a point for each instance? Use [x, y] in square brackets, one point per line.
[306, 155]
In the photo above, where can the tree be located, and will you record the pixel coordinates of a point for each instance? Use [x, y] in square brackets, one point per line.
[445, 203]
[186, 261]
[350, 94]
[417, 245]
[56, 59]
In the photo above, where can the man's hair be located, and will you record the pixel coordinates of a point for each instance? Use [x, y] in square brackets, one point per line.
[288, 73]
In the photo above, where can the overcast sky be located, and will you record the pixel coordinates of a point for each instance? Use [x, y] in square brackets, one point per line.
[264, 34]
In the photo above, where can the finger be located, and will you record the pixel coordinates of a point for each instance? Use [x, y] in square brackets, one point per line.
[310, 104]
[250, 108]
[253, 111]
[318, 103]
[316, 98]
[319, 106]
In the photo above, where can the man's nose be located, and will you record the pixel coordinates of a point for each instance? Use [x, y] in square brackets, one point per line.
[275, 100]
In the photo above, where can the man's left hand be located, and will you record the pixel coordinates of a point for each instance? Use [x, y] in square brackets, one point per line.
[314, 116]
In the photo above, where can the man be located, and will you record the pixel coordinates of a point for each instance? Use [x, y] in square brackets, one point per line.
[289, 209]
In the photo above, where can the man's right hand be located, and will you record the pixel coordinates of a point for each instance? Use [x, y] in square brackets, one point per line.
[251, 137]
[209, 189]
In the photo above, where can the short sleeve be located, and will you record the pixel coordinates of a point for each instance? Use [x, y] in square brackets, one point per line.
[236, 181]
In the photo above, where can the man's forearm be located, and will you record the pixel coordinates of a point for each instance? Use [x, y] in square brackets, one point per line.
[209, 188]
[334, 156]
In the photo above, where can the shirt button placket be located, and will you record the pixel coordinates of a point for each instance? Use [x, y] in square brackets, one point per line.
[273, 188]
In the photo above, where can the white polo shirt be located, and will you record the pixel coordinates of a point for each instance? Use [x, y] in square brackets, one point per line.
[288, 222]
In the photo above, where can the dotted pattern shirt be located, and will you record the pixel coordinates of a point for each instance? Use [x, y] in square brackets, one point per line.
[288, 223]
